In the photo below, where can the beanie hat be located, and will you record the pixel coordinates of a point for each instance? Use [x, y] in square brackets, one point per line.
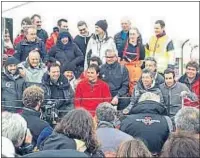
[64, 33]
[11, 60]
[102, 24]
[55, 29]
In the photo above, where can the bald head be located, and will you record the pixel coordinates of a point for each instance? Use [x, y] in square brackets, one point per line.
[125, 24]
[34, 58]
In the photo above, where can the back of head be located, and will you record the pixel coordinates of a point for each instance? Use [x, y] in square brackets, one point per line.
[133, 148]
[106, 112]
[187, 119]
[181, 145]
[149, 96]
[14, 127]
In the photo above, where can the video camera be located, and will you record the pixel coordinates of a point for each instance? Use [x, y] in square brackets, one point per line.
[50, 113]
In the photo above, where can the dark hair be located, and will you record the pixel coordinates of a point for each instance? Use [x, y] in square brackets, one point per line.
[60, 21]
[7, 31]
[168, 71]
[151, 59]
[133, 148]
[94, 66]
[97, 59]
[35, 15]
[193, 64]
[81, 23]
[32, 95]
[181, 144]
[161, 22]
[27, 20]
[79, 124]
[147, 71]
[54, 64]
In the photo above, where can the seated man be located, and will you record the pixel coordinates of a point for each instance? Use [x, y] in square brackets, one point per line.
[173, 92]
[59, 88]
[33, 97]
[33, 68]
[92, 91]
[12, 84]
[148, 121]
[146, 84]
[191, 77]
[109, 137]
[117, 78]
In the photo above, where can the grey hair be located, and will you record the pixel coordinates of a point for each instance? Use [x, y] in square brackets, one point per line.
[14, 127]
[147, 71]
[149, 96]
[151, 59]
[111, 50]
[187, 119]
[106, 112]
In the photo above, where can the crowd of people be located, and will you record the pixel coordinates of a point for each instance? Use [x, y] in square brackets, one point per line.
[114, 96]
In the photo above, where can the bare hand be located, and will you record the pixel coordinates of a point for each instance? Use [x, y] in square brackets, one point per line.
[22, 72]
[115, 101]
[125, 111]
[29, 137]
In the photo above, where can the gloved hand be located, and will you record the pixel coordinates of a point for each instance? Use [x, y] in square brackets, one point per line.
[184, 94]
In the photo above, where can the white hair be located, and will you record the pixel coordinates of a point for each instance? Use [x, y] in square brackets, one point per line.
[149, 96]
[14, 127]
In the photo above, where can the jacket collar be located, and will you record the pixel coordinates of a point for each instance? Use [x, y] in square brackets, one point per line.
[29, 111]
[185, 79]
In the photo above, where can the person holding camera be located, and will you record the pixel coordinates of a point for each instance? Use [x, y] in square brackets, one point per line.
[33, 98]
[61, 92]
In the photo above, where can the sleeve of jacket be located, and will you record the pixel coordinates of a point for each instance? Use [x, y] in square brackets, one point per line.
[191, 95]
[45, 36]
[49, 43]
[18, 52]
[51, 54]
[161, 96]
[171, 54]
[78, 96]
[124, 124]
[106, 93]
[113, 45]
[125, 81]
[79, 55]
[142, 52]
[44, 54]
[88, 53]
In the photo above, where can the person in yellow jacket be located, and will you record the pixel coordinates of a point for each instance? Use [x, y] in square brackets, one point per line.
[161, 47]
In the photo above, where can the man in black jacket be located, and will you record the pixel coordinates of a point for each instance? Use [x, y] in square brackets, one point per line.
[60, 89]
[147, 121]
[117, 78]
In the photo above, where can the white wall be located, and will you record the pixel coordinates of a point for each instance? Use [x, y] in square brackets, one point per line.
[182, 18]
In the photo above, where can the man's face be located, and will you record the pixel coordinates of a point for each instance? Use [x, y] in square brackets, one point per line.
[133, 35]
[63, 25]
[146, 80]
[93, 62]
[92, 75]
[31, 34]
[191, 72]
[125, 24]
[24, 24]
[169, 79]
[157, 29]
[12, 68]
[83, 30]
[54, 73]
[34, 59]
[69, 74]
[65, 40]
[150, 65]
[7, 37]
[111, 57]
[37, 22]
[98, 30]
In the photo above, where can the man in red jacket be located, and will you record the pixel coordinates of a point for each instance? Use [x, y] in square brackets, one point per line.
[92, 91]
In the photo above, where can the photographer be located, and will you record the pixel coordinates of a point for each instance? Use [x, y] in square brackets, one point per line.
[33, 97]
[60, 89]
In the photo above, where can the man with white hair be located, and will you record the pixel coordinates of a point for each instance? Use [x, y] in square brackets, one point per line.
[121, 37]
[14, 127]
[187, 120]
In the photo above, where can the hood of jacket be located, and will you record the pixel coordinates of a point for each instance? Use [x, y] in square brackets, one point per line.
[62, 46]
[10, 76]
[149, 106]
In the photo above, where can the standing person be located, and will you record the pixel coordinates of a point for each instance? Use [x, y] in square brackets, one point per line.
[116, 76]
[173, 92]
[161, 47]
[41, 33]
[99, 43]
[89, 93]
[51, 41]
[12, 84]
[121, 37]
[60, 90]
[8, 46]
[67, 53]
[133, 56]
[25, 21]
[192, 77]
[31, 42]
[83, 38]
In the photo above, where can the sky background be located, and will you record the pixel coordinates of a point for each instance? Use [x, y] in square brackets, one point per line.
[181, 18]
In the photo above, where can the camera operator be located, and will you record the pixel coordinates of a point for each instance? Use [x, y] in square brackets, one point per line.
[60, 89]
[33, 97]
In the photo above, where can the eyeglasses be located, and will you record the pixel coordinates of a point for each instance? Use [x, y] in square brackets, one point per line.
[82, 29]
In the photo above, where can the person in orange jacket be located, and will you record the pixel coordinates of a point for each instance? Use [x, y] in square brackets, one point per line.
[51, 41]
[91, 92]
